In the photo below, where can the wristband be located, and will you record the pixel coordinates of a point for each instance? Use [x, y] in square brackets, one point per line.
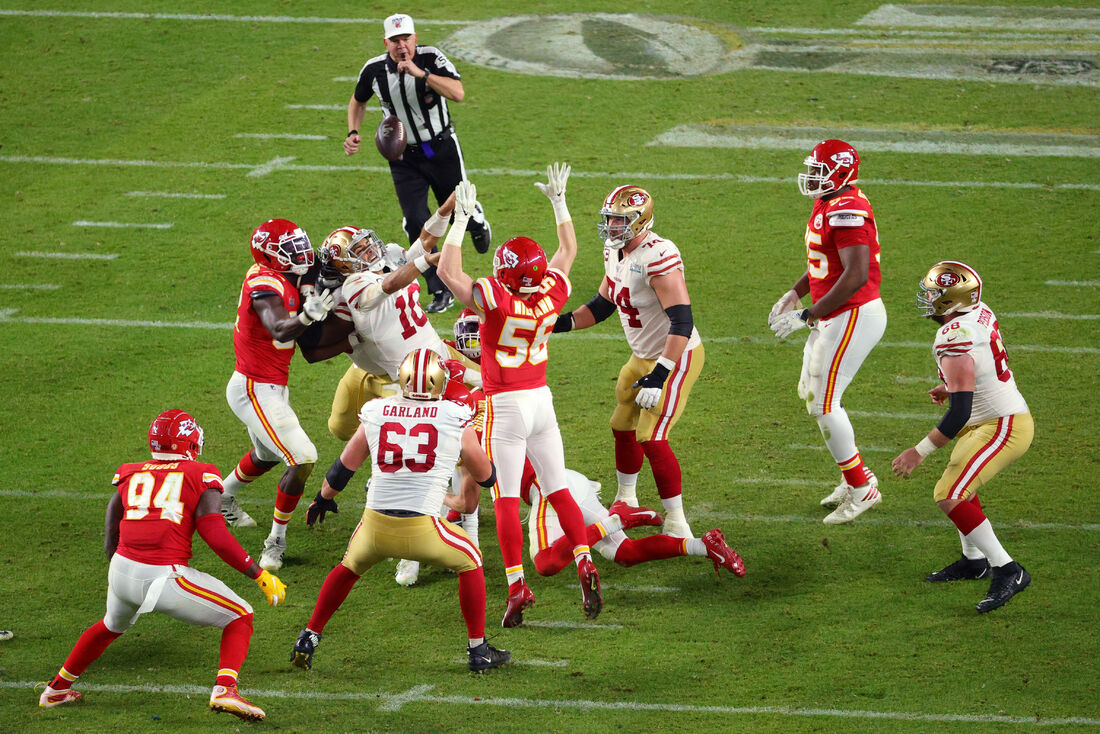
[353, 132]
[338, 475]
[457, 232]
[426, 75]
[421, 263]
[665, 362]
[304, 318]
[436, 225]
[561, 212]
[925, 447]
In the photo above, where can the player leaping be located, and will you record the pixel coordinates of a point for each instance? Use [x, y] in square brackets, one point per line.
[517, 308]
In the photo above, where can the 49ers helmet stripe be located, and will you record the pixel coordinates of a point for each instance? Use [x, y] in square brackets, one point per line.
[422, 375]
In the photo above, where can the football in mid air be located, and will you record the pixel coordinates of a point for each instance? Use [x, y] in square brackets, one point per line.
[390, 138]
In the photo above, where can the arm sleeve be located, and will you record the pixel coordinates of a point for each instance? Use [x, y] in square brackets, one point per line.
[214, 533]
[958, 413]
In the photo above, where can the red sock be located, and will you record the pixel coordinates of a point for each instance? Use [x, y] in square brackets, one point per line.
[234, 649]
[509, 531]
[976, 502]
[628, 452]
[966, 517]
[86, 651]
[248, 470]
[471, 597]
[569, 517]
[856, 474]
[284, 507]
[550, 561]
[666, 468]
[333, 592]
[650, 548]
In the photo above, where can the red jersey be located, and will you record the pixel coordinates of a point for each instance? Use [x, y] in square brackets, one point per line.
[159, 499]
[515, 331]
[260, 357]
[842, 221]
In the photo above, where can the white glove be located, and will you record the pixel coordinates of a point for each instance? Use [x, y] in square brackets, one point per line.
[647, 397]
[787, 323]
[557, 174]
[395, 256]
[789, 302]
[465, 200]
[316, 307]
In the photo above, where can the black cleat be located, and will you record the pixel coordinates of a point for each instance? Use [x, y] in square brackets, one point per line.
[302, 655]
[441, 302]
[485, 656]
[1008, 581]
[483, 237]
[961, 570]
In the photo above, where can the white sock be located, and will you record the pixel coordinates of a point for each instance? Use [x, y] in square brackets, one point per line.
[695, 547]
[674, 507]
[628, 488]
[475, 641]
[837, 431]
[986, 541]
[470, 525]
[970, 550]
[231, 485]
[278, 531]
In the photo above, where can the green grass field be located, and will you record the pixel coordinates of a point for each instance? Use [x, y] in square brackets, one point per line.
[106, 111]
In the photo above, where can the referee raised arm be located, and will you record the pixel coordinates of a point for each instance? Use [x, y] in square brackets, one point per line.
[414, 82]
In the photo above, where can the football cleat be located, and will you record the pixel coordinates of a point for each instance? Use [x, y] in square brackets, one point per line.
[407, 572]
[302, 654]
[634, 517]
[961, 570]
[274, 551]
[226, 699]
[442, 301]
[483, 236]
[858, 501]
[485, 656]
[590, 588]
[837, 496]
[6, 635]
[518, 600]
[235, 517]
[1008, 581]
[56, 696]
[722, 555]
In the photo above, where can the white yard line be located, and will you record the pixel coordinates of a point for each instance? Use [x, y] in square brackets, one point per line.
[566, 624]
[424, 693]
[1021, 18]
[68, 255]
[1076, 283]
[878, 517]
[894, 416]
[643, 589]
[909, 379]
[282, 136]
[173, 195]
[28, 287]
[218, 18]
[821, 447]
[123, 225]
[1053, 315]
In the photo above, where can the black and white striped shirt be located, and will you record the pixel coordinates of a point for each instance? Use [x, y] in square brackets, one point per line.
[420, 108]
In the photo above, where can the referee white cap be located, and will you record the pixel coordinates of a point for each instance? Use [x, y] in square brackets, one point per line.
[398, 24]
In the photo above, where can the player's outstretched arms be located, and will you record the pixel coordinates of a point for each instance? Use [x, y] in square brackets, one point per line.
[557, 175]
[450, 262]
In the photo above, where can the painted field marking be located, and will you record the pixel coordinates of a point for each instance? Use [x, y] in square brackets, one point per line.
[219, 17]
[123, 225]
[895, 416]
[863, 449]
[878, 519]
[643, 589]
[174, 195]
[281, 136]
[555, 624]
[910, 379]
[68, 255]
[328, 107]
[957, 16]
[423, 694]
[9, 316]
[1076, 283]
[284, 164]
[28, 287]
[1053, 315]
[534, 662]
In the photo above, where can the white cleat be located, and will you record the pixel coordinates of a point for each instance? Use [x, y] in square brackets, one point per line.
[837, 495]
[407, 572]
[234, 516]
[272, 557]
[676, 529]
[858, 501]
[56, 697]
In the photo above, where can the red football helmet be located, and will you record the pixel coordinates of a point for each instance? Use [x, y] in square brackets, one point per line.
[467, 335]
[282, 245]
[831, 165]
[520, 264]
[175, 433]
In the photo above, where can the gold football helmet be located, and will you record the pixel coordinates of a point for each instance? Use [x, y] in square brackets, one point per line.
[627, 212]
[422, 375]
[950, 287]
[349, 250]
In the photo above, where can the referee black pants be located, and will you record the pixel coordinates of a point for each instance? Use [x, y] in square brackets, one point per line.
[414, 174]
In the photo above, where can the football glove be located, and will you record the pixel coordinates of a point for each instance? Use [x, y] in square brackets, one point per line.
[318, 508]
[556, 174]
[273, 588]
[787, 323]
[465, 200]
[395, 256]
[650, 386]
[789, 302]
[316, 307]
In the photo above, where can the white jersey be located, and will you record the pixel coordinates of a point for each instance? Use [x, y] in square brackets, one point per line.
[976, 333]
[389, 326]
[628, 280]
[414, 447]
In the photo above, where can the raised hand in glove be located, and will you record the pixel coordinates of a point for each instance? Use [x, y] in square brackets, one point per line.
[316, 307]
[557, 175]
[318, 508]
[789, 302]
[787, 323]
[273, 588]
[465, 200]
[650, 386]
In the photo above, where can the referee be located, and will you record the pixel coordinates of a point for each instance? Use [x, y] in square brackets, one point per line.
[414, 82]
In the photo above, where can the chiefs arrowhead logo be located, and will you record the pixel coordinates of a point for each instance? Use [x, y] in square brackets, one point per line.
[188, 427]
[946, 280]
[843, 158]
[506, 259]
[259, 238]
